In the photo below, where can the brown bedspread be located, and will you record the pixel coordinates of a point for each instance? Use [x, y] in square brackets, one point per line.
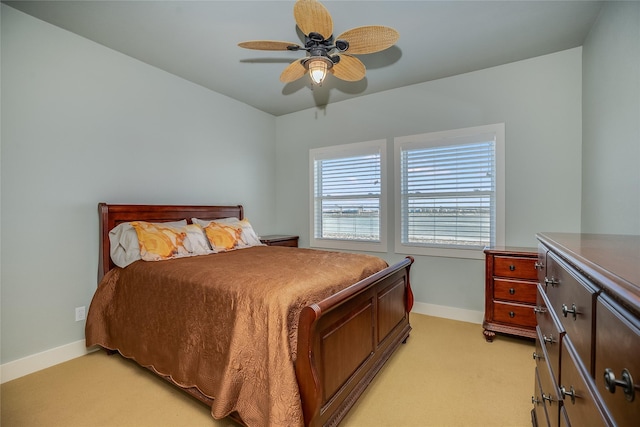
[225, 323]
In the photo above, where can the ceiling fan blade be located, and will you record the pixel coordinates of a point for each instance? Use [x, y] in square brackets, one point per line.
[369, 39]
[312, 17]
[293, 72]
[349, 68]
[268, 45]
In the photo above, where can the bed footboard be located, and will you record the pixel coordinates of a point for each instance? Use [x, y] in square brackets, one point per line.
[344, 340]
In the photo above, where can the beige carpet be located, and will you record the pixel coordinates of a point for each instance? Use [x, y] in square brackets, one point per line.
[446, 375]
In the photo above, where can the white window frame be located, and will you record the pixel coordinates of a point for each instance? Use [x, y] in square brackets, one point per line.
[440, 138]
[350, 150]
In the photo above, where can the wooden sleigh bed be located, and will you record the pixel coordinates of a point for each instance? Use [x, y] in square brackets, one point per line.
[341, 340]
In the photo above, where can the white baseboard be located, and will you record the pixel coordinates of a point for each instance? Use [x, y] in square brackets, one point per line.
[36, 362]
[452, 313]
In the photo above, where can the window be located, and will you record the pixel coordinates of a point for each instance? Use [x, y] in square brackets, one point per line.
[450, 200]
[348, 209]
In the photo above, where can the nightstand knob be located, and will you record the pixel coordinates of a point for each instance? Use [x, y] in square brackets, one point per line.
[512, 267]
[512, 291]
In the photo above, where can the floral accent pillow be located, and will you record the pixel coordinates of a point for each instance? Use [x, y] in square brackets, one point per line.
[158, 242]
[222, 237]
[248, 236]
[125, 248]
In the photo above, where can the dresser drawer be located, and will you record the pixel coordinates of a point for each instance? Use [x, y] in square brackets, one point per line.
[539, 409]
[573, 302]
[617, 354]
[549, 332]
[549, 393]
[577, 390]
[516, 267]
[564, 418]
[514, 290]
[541, 263]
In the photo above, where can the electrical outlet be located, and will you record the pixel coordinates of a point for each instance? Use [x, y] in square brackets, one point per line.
[80, 313]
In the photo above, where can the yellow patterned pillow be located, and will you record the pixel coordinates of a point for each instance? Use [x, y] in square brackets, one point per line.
[222, 237]
[158, 242]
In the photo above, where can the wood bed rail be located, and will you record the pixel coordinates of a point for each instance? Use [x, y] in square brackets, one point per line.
[336, 357]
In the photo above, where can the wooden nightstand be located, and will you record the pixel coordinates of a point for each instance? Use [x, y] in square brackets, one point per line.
[280, 240]
[511, 281]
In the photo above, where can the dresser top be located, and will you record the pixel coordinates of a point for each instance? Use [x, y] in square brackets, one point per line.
[613, 261]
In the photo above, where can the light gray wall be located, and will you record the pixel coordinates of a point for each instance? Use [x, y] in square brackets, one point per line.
[83, 124]
[611, 122]
[539, 100]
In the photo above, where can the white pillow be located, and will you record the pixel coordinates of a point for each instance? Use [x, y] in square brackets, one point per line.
[125, 247]
[248, 237]
[196, 241]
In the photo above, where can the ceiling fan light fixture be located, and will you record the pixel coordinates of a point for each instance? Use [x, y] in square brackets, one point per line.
[318, 67]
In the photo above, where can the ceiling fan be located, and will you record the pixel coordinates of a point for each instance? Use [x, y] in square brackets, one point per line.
[315, 22]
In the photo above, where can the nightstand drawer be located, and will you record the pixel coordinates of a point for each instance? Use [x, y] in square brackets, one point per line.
[515, 314]
[514, 290]
[516, 267]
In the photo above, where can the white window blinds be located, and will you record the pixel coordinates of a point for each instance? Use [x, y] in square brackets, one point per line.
[347, 194]
[448, 192]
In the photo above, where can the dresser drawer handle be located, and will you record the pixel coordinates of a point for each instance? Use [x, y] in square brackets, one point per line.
[548, 398]
[512, 267]
[553, 282]
[536, 356]
[535, 400]
[539, 309]
[548, 339]
[538, 265]
[512, 291]
[573, 311]
[571, 393]
[610, 383]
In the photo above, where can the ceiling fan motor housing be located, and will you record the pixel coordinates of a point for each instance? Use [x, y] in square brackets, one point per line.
[342, 45]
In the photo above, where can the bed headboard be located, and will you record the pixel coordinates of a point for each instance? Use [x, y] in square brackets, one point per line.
[112, 215]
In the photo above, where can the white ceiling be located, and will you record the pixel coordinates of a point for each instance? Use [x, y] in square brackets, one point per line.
[197, 40]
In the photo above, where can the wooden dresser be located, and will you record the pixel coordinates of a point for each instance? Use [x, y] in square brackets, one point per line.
[510, 291]
[588, 334]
